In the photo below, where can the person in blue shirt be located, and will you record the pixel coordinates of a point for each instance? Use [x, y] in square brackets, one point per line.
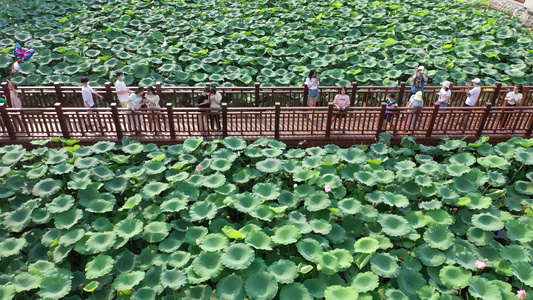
[392, 105]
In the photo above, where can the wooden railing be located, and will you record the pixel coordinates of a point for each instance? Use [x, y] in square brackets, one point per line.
[258, 96]
[316, 125]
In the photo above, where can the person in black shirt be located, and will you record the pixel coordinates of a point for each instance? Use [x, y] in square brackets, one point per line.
[203, 102]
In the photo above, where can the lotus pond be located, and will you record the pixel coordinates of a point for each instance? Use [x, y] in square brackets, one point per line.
[229, 220]
[272, 42]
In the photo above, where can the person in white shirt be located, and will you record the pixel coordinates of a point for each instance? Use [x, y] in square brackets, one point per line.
[444, 95]
[341, 103]
[123, 92]
[473, 94]
[416, 100]
[513, 98]
[312, 82]
[87, 93]
[215, 99]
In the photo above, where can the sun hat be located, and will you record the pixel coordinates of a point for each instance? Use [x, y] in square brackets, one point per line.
[421, 68]
[418, 96]
[446, 84]
[476, 80]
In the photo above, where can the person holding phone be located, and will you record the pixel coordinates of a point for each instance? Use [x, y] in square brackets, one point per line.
[419, 80]
[312, 81]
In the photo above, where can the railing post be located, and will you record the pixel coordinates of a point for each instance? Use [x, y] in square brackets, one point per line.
[108, 92]
[496, 95]
[484, 118]
[118, 127]
[7, 122]
[277, 114]
[257, 87]
[432, 120]
[62, 121]
[328, 120]
[306, 94]
[5, 89]
[381, 118]
[59, 93]
[224, 119]
[354, 92]
[401, 93]
[450, 102]
[529, 128]
[170, 116]
[159, 92]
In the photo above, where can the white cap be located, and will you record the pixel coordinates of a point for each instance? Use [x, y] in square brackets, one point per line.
[446, 84]
[476, 80]
[421, 68]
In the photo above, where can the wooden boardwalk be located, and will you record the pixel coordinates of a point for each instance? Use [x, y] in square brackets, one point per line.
[315, 126]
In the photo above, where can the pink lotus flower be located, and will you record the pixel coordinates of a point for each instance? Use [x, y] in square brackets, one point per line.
[200, 168]
[327, 189]
[480, 264]
[521, 294]
[140, 208]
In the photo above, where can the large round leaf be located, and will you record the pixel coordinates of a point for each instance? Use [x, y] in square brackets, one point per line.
[238, 256]
[261, 286]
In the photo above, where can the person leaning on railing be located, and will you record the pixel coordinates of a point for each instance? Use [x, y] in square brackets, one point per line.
[14, 95]
[512, 98]
[340, 103]
[444, 95]
[392, 107]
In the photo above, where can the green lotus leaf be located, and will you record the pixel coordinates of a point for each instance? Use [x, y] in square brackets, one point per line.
[71, 237]
[246, 202]
[100, 242]
[457, 170]
[55, 286]
[154, 167]
[238, 256]
[365, 177]
[128, 228]
[397, 200]
[18, 219]
[214, 181]
[133, 148]
[337, 292]
[11, 246]
[102, 147]
[126, 281]
[99, 266]
[208, 264]
[37, 172]
[269, 165]
[394, 225]
[230, 288]
[285, 271]
[514, 253]
[482, 288]
[220, 164]
[261, 286]
[67, 219]
[91, 287]
[173, 279]
[25, 282]
[287, 234]
[102, 173]
[478, 236]
[429, 256]
[202, 210]
[524, 155]
[321, 226]
[329, 179]
[153, 189]
[366, 245]
[214, 242]
[271, 152]
[13, 157]
[175, 204]
[464, 186]
[439, 237]
[477, 201]
[86, 162]
[155, 232]
[384, 265]
[116, 185]
[524, 187]
[518, 231]
[100, 206]
[267, 191]
[303, 174]
[364, 282]
[62, 168]
[47, 187]
[493, 162]
[438, 216]
[316, 287]
[294, 291]
[178, 259]
[454, 277]
[523, 271]
[349, 206]
[487, 222]
[328, 263]
[352, 155]
[259, 240]
[309, 249]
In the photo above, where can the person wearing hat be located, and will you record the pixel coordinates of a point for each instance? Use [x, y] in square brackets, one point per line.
[123, 93]
[444, 95]
[473, 94]
[419, 80]
[415, 101]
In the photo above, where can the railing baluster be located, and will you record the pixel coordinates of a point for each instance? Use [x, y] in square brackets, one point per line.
[224, 120]
[170, 116]
[483, 119]
[381, 119]
[59, 93]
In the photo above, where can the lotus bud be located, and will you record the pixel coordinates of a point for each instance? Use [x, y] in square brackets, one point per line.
[200, 168]
[364, 233]
[480, 264]
[295, 185]
[327, 189]
[140, 208]
[521, 294]
[455, 209]
[82, 285]
[402, 259]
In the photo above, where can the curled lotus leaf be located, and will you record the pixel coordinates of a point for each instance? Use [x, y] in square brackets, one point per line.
[126, 281]
[208, 264]
[173, 278]
[365, 282]
[317, 201]
[203, 210]
[295, 291]
[231, 287]
[309, 249]
[483, 288]
[439, 237]
[394, 225]
[214, 242]
[269, 165]
[366, 245]
[261, 285]
[384, 265]
[454, 277]
[259, 240]
[487, 222]
[285, 271]
[25, 282]
[267, 191]
[55, 286]
[327, 263]
[99, 266]
[287, 234]
[11, 246]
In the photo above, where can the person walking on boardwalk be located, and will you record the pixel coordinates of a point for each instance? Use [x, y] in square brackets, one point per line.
[87, 93]
[472, 97]
[419, 81]
[513, 98]
[123, 93]
[312, 82]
